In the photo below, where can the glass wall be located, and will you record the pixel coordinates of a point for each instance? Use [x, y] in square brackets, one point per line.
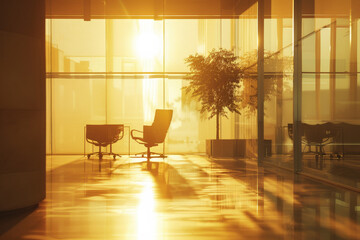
[120, 70]
[329, 89]
[278, 84]
[330, 100]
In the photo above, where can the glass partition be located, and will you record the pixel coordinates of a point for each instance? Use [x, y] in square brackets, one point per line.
[330, 100]
[244, 43]
[278, 86]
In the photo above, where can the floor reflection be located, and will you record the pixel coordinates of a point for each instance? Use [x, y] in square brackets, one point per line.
[146, 215]
[344, 170]
[183, 197]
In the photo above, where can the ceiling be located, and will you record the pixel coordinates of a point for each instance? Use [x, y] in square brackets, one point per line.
[158, 9]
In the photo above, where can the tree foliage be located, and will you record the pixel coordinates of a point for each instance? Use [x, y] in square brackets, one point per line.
[278, 70]
[214, 81]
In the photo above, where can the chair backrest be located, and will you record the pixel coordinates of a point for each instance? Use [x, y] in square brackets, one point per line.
[104, 134]
[160, 125]
[313, 133]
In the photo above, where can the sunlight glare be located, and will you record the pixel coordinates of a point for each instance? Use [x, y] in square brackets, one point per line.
[148, 47]
[147, 43]
[146, 216]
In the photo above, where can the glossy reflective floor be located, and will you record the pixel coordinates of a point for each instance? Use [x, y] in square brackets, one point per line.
[344, 170]
[183, 197]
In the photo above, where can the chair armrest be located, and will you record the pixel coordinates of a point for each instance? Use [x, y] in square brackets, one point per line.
[132, 133]
[90, 141]
[137, 139]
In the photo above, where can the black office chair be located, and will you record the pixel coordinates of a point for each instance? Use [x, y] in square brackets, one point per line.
[155, 134]
[102, 136]
[318, 136]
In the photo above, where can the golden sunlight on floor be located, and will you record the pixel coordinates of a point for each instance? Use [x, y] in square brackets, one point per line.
[183, 197]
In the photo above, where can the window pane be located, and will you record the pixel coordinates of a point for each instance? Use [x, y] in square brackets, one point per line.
[77, 45]
[76, 102]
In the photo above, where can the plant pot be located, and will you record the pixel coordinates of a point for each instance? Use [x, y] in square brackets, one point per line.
[235, 148]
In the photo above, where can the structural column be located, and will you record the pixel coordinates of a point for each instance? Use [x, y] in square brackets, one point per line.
[279, 92]
[333, 69]
[353, 57]
[22, 103]
[260, 85]
[317, 73]
[297, 83]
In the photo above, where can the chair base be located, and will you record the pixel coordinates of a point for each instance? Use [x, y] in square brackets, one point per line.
[148, 154]
[152, 155]
[101, 154]
[320, 152]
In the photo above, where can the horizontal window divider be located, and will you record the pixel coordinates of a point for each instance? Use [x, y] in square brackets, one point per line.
[169, 75]
[116, 75]
[119, 73]
[343, 73]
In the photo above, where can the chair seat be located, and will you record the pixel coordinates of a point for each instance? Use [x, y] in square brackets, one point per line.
[102, 136]
[151, 144]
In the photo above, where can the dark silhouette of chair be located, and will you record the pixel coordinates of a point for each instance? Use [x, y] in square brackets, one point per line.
[102, 136]
[318, 136]
[154, 134]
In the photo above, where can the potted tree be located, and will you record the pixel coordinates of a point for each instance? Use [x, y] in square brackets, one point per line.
[222, 82]
[214, 80]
